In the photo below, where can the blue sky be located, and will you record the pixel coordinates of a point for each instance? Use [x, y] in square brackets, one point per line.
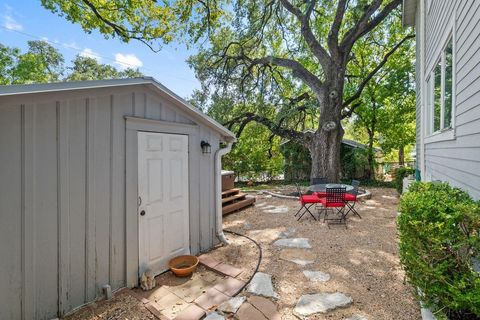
[25, 20]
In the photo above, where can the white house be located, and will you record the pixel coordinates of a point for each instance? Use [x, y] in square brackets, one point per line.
[448, 90]
[98, 181]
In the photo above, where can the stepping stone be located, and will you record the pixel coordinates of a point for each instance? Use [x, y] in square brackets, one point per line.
[229, 286]
[321, 303]
[191, 290]
[214, 316]
[287, 233]
[228, 270]
[211, 298]
[208, 261]
[301, 243]
[192, 312]
[357, 317]
[232, 305]
[316, 276]
[268, 207]
[266, 306]
[249, 312]
[281, 209]
[261, 285]
[261, 204]
[267, 235]
[299, 256]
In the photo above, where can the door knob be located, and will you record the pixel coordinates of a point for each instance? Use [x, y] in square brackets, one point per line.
[142, 213]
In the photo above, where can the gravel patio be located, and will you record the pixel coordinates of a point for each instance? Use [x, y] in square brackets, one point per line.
[357, 268]
[362, 260]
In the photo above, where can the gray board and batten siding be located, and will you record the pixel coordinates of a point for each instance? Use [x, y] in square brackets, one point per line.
[68, 188]
[452, 155]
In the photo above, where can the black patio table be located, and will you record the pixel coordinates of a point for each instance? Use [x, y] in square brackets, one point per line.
[323, 187]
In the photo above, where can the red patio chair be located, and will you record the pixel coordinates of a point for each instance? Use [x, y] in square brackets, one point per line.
[351, 199]
[335, 199]
[321, 180]
[306, 202]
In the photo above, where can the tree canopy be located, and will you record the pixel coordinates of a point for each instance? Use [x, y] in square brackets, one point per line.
[292, 56]
[44, 63]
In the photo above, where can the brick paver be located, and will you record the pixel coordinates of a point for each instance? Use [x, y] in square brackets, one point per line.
[229, 286]
[193, 312]
[212, 298]
[228, 270]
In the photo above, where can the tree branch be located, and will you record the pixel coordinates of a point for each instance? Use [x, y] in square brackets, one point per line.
[118, 30]
[275, 128]
[365, 25]
[298, 70]
[335, 28]
[318, 51]
[372, 73]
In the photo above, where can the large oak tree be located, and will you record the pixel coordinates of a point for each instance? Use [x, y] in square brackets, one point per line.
[305, 45]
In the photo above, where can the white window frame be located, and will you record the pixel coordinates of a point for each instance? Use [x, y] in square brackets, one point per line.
[444, 133]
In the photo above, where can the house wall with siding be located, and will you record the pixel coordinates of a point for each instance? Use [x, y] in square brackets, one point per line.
[63, 207]
[457, 160]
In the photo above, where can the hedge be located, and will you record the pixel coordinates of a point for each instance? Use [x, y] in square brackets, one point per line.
[401, 173]
[439, 239]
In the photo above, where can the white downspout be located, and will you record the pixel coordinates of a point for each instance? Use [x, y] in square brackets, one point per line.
[218, 190]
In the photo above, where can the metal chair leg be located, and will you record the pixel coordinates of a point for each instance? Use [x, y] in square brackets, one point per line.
[305, 211]
[351, 208]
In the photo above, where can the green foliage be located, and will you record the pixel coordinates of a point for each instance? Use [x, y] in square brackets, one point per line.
[298, 162]
[254, 156]
[385, 116]
[43, 63]
[354, 161]
[144, 20]
[439, 239]
[85, 68]
[401, 173]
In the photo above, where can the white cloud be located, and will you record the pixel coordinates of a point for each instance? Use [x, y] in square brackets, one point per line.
[89, 53]
[11, 24]
[128, 60]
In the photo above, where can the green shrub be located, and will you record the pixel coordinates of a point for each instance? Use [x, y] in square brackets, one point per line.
[439, 238]
[400, 174]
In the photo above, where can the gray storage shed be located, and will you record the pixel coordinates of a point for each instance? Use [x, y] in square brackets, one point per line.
[98, 181]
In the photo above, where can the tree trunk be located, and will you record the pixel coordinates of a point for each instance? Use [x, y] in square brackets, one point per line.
[401, 156]
[327, 140]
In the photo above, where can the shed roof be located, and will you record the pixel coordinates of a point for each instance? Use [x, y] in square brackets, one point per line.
[149, 81]
[409, 9]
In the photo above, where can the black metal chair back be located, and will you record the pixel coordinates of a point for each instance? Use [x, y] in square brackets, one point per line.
[320, 180]
[355, 185]
[336, 195]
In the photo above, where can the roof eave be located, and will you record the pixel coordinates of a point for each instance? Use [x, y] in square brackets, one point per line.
[225, 134]
[409, 8]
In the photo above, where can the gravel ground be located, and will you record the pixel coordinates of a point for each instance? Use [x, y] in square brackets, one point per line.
[122, 306]
[362, 260]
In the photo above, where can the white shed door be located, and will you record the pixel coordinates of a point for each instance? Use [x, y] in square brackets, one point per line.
[163, 199]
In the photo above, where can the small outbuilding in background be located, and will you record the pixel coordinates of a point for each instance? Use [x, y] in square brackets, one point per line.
[100, 180]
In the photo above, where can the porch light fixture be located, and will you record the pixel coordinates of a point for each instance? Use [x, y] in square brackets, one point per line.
[206, 147]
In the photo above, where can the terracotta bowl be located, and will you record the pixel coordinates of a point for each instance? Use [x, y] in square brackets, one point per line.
[183, 266]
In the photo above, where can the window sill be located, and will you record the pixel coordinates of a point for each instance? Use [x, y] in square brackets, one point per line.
[443, 135]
